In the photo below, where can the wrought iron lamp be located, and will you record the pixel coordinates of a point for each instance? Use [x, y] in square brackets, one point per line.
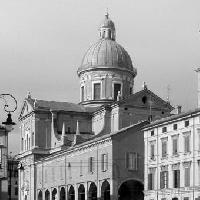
[9, 109]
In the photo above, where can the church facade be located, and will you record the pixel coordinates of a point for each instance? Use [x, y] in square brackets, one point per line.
[94, 149]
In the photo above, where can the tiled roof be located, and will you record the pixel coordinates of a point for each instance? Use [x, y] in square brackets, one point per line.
[173, 117]
[59, 106]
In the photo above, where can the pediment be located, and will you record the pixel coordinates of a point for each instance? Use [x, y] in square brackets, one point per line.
[26, 109]
[146, 98]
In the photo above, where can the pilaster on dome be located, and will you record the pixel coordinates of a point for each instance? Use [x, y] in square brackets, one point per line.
[107, 28]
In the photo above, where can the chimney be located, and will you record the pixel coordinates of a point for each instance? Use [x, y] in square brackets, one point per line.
[198, 87]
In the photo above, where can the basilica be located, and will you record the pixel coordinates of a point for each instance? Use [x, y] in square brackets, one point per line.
[93, 149]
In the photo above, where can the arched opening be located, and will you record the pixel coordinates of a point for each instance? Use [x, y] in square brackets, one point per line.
[92, 193]
[47, 195]
[62, 194]
[105, 191]
[54, 194]
[131, 190]
[71, 193]
[40, 195]
[81, 192]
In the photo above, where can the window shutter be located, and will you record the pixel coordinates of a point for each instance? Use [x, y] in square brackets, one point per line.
[126, 160]
[136, 161]
[150, 181]
[161, 180]
[102, 162]
[178, 178]
[167, 179]
[89, 164]
[106, 161]
[93, 164]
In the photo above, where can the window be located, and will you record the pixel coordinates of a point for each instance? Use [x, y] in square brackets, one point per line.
[175, 146]
[104, 162]
[176, 178]
[187, 123]
[198, 133]
[163, 179]
[45, 175]
[22, 144]
[187, 143]
[16, 191]
[117, 88]
[0, 155]
[187, 177]
[186, 198]
[70, 170]
[175, 126]
[32, 139]
[97, 91]
[131, 161]
[81, 168]
[91, 165]
[151, 181]
[152, 133]
[164, 148]
[131, 90]
[82, 93]
[152, 151]
[164, 129]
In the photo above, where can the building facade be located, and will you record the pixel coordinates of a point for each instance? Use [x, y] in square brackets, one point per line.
[3, 163]
[172, 157]
[93, 149]
[12, 172]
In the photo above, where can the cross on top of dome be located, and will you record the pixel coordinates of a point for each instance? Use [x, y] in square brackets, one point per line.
[107, 28]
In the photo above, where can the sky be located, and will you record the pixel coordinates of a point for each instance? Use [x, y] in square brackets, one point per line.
[42, 43]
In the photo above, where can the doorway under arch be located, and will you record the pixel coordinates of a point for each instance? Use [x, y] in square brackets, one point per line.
[71, 193]
[81, 192]
[47, 195]
[131, 190]
[92, 193]
[54, 194]
[40, 195]
[62, 194]
[105, 191]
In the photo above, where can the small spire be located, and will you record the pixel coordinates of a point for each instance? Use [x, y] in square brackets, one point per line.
[144, 86]
[29, 95]
[35, 103]
[106, 14]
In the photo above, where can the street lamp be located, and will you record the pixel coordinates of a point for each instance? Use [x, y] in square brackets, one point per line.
[7, 108]
[10, 105]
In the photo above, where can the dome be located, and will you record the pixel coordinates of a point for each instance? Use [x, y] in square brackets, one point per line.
[106, 54]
